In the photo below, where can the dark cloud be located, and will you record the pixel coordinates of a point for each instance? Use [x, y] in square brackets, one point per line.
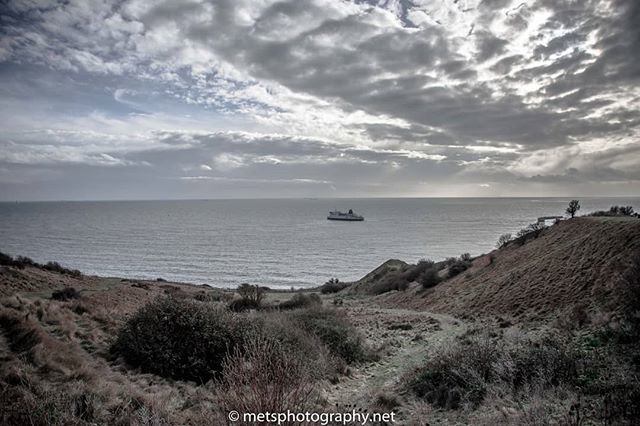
[489, 46]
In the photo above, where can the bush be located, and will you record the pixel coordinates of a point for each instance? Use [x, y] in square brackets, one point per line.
[531, 232]
[22, 261]
[282, 327]
[241, 305]
[391, 281]
[332, 286]
[455, 376]
[430, 278]
[180, 339]
[426, 263]
[67, 293]
[335, 331]
[301, 300]
[413, 273]
[459, 265]
[5, 259]
[615, 211]
[56, 267]
[460, 374]
[19, 262]
[251, 293]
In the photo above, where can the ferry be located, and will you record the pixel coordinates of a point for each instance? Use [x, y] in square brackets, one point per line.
[350, 216]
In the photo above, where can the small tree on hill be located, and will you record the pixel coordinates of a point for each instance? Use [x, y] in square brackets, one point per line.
[574, 206]
[626, 211]
[503, 240]
[252, 293]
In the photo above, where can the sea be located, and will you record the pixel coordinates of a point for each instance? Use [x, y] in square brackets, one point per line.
[276, 243]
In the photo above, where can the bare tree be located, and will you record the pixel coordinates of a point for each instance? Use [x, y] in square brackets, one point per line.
[574, 206]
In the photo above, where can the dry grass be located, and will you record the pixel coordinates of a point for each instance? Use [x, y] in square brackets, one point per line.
[54, 368]
[57, 369]
[266, 377]
[575, 261]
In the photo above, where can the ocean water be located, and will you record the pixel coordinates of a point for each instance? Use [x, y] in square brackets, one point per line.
[277, 243]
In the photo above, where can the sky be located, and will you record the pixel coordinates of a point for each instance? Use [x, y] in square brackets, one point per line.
[151, 99]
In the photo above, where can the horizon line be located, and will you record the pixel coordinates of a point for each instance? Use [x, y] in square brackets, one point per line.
[315, 198]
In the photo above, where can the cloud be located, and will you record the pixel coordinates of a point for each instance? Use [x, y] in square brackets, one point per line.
[391, 91]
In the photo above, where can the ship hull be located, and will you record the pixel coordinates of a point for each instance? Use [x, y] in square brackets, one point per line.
[346, 219]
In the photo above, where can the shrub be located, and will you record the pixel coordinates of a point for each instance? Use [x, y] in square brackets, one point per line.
[413, 273]
[266, 377]
[615, 211]
[56, 267]
[241, 305]
[531, 232]
[504, 240]
[460, 373]
[282, 327]
[426, 263]
[457, 266]
[391, 281]
[545, 362]
[18, 262]
[430, 278]
[5, 259]
[300, 300]
[332, 286]
[208, 296]
[403, 285]
[179, 338]
[251, 293]
[387, 402]
[67, 293]
[335, 331]
[22, 261]
[456, 375]
[626, 211]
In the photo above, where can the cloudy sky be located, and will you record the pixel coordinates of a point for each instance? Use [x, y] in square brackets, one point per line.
[145, 99]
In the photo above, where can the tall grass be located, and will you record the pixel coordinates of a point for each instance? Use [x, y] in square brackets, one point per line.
[265, 377]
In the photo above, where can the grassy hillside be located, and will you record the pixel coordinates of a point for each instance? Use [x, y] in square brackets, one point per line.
[576, 264]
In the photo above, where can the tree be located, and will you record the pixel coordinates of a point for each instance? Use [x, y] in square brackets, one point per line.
[503, 240]
[574, 206]
[626, 211]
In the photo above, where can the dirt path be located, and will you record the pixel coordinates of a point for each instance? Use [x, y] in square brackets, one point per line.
[405, 337]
